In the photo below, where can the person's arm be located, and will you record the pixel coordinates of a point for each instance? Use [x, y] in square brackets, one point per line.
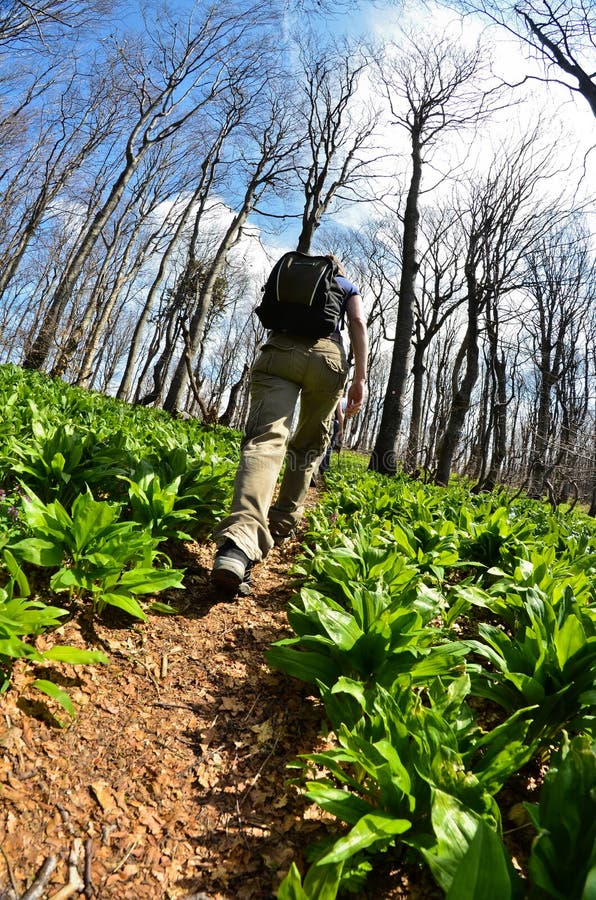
[359, 339]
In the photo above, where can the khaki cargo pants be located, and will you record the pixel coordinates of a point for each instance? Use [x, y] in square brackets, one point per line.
[286, 368]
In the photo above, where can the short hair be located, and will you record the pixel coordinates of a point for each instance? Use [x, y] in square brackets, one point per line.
[338, 264]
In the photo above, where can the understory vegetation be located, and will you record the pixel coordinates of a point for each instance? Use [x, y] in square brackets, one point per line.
[451, 635]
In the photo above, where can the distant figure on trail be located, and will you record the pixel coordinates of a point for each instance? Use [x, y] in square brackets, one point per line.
[306, 301]
[336, 439]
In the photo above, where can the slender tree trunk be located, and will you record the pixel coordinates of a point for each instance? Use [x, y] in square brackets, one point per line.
[499, 451]
[413, 449]
[97, 329]
[39, 350]
[384, 458]
[478, 456]
[194, 209]
[538, 464]
[228, 414]
[175, 396]
[461, 399]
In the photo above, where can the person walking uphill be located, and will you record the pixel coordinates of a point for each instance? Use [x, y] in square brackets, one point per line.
[306, 301]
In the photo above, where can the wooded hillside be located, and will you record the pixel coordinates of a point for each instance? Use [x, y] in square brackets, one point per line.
[153, 164]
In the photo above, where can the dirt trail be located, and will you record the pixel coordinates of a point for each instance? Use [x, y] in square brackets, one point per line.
[172, 780]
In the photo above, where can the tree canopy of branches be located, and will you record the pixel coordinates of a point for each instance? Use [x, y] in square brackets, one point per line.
[561, 34]
[153, 162]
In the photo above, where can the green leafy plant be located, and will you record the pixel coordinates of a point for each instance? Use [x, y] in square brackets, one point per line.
[563, 859]
[93, 552]
[21, 617]
[153, 505]
[371, 622]
[59, 462]
[549, 663]
[175, 488]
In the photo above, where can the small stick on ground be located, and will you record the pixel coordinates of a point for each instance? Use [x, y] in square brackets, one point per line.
[88, 878]
[41, 879]
[75, 882]
[9, 869]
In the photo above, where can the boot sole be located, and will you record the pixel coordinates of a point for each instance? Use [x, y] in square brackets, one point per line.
[229, 579]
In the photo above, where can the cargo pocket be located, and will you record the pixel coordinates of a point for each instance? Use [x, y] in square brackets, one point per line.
[335, 367]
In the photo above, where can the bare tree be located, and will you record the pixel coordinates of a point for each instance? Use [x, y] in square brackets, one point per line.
[337, 131]
[29, 24]
[561, 34]
[441, 294]
[80, 122]
[268, 157]
[373, 252]
[432, 88]
[559, 291]
[503, 219]
[133, 235]
[187, 71]
[190, 208]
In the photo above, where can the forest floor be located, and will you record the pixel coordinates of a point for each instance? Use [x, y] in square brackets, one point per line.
[172, 781]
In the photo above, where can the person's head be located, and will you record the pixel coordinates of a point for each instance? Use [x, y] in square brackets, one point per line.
[339, 265]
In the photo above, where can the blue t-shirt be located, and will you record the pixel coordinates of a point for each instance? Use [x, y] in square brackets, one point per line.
[347, 286]
[350, 290]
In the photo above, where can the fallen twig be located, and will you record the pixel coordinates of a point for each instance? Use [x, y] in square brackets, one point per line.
[9, 870]
[125, 857]
[164, 705]
[88, 878]
[41, 879]
[75, 883]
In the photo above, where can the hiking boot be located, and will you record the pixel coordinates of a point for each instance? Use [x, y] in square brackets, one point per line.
[231, 569]
[279, 539]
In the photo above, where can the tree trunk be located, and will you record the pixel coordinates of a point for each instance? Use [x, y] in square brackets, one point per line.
[412, 460]
[478, 457]
[179, 383]
[499, 416]
[461, 398]
[538, 465]
[195, 207]
[384, 458]
[228, 414]
[38, 352]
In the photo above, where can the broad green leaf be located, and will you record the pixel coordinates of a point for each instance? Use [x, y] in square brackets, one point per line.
[75, 656]
[65, 579]
[589, 891]
[163, 608]
[322, 881]
[291, 886]
[128, 604]
[39, 551]
[483, 871]
[356, 689]
[90, 517]
[144, 580]
[570, 639]
[305, 665]
[347, 807]
[56, 693]
[17, 573]
[373, 828]
[454, 826]
[564, 850]
[16, 648]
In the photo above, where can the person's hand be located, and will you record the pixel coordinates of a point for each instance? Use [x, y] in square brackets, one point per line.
[355, 398]
[339, 438]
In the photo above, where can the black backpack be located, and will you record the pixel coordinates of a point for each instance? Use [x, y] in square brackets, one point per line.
[302, 297]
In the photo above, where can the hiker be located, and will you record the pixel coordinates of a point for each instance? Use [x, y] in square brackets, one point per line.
[290, 365]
